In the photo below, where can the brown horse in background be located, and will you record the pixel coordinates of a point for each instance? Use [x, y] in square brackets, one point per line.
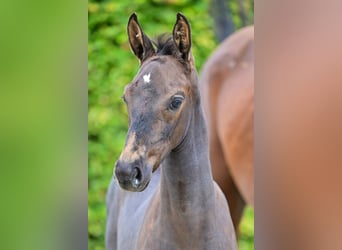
[227, 91]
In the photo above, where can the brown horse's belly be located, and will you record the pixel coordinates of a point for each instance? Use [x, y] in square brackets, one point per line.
[235, 130]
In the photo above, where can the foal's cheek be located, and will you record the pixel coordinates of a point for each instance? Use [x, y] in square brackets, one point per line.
[167, 132]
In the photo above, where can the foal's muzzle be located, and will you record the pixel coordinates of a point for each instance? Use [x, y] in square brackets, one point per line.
[133, 176]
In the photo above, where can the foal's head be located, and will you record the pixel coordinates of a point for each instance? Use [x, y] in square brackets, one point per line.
[159, 102]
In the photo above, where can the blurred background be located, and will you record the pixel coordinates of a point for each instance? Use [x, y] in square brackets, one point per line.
[43, 116]
[111, 65]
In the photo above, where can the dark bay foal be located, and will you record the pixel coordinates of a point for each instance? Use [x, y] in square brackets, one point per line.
[165, 197]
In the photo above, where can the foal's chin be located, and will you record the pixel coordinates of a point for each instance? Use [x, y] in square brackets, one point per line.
[132, 188]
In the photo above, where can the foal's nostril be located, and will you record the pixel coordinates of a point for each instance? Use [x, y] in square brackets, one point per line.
[136, 177]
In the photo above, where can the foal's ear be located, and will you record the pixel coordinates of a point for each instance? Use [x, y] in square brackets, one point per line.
[140, 44]
[182, 36]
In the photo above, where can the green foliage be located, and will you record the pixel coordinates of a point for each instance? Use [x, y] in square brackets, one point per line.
[239, 7]
[111, 65]
[246, 238]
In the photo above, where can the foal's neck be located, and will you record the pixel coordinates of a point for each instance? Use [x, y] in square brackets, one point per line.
[186, 182]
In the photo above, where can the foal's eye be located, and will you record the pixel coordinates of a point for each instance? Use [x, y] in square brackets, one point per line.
[176, 102]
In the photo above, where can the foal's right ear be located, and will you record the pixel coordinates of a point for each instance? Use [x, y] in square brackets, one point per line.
[140, 44]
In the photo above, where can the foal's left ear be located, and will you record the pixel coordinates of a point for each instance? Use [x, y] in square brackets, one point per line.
[182, 36]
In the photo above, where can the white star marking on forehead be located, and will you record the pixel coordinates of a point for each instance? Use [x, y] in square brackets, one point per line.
[147, 78]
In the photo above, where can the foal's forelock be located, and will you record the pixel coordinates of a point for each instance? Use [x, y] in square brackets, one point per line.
[167, 47]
